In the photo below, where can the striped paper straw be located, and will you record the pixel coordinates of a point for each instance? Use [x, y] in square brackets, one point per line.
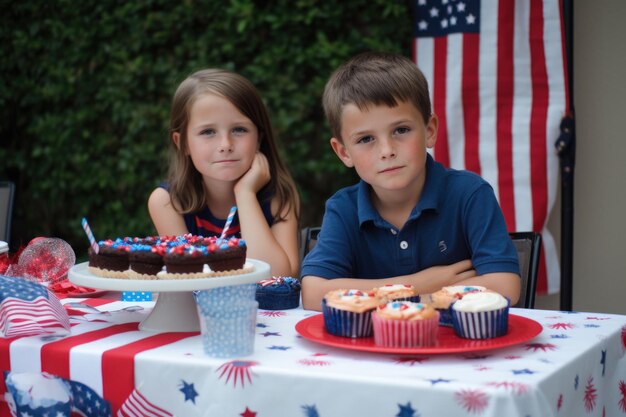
[92, 240]
[229, 220]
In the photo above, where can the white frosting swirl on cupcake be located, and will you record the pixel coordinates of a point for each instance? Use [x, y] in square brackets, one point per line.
[480, 301]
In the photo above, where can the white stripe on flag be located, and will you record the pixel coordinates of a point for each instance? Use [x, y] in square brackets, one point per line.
[86, 359]
[522, 105]
[454, 105]
[138, 406]
[488, 42]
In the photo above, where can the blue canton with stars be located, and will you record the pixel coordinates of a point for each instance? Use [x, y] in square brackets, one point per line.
[21, 289]
[441, 17]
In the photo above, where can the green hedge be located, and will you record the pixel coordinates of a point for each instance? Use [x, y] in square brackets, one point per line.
[85, 88]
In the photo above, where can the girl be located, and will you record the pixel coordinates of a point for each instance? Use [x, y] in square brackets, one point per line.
[223, 154]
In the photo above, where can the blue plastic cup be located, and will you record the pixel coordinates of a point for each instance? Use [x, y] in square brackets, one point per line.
[229, 333]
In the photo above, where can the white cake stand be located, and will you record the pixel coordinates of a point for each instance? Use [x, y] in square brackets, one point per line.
[175, 308]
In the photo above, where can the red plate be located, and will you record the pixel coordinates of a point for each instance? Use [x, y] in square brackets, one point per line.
[94, 293]
[521, 329]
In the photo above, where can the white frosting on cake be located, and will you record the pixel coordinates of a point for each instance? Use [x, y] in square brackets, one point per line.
[480, 301]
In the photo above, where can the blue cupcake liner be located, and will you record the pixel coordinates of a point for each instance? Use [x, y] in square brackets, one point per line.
[445, 316]
[347, 323]
[275, 301]
[481, 325]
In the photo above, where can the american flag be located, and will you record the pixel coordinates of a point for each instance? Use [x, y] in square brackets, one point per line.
[28, 308]
[87, 403]
[497, 78]
[138, 406]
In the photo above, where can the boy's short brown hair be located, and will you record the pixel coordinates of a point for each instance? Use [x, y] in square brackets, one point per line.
[374, 78]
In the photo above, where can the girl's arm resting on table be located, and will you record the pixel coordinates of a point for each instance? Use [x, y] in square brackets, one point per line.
[425, 282]
[167, 221]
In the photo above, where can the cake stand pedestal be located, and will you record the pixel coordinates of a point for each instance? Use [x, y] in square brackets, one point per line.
[175, 309]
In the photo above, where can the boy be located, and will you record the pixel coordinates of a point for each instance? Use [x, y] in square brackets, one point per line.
[409, 220]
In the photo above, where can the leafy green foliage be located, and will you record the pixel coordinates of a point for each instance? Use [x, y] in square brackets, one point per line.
[85, 89]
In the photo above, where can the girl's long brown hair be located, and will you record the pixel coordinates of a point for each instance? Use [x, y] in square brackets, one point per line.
[185, 182]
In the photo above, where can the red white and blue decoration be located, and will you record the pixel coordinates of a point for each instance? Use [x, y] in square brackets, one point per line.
[498, 84]
[46, 395]
[29, 309]
[575, 367]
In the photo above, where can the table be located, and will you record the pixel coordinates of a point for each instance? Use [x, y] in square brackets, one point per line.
[575, 367]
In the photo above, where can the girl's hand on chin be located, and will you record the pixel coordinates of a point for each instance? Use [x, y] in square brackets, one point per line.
[256, 177]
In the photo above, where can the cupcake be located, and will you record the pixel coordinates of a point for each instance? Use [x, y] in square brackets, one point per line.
[347, 313]
[443, 299]
[397, 292]
[278, 293]
[481, 315]
[403, 324]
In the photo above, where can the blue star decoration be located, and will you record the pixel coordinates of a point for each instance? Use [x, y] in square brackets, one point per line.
[189, 391]
[270, 334]
[559, 336]
[310, 411]
[274, 347]
[603, 361]
[591, 326]
[576, 380]
[525, 371]
[406, 411]
[261, 325]
[438, 380]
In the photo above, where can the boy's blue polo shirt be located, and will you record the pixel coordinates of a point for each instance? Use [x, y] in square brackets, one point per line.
[456, 218]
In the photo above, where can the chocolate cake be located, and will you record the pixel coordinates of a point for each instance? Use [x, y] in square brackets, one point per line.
[146, 260]
[211, 257]
[112, 259]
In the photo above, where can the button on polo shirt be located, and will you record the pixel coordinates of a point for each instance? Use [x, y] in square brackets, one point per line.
[404, 244]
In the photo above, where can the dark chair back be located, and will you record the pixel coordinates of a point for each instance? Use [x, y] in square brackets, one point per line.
[7, 191]
[308, 239]
[528, 247]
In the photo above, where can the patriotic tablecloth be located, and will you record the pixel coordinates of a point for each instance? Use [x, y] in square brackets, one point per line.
[575, 367]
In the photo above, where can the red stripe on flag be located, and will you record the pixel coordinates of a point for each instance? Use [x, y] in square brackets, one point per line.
[539, 117]
[55, 356]
[5, 361]
[442, 153]
[471, 100]
[506, 28]
[118, 366]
